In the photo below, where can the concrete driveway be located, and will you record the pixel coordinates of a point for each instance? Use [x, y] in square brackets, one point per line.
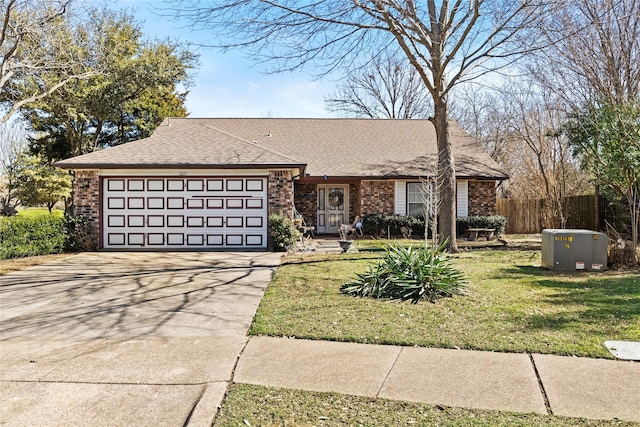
[126, 338]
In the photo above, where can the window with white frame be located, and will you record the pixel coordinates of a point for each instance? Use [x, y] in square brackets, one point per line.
[418, 194]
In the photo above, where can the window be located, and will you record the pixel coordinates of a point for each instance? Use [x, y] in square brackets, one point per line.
[417, 194]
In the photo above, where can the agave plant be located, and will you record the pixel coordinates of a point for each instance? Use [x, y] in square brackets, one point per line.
[409, 273]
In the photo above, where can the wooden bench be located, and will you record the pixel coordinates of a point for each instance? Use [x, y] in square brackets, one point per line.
[474, 233]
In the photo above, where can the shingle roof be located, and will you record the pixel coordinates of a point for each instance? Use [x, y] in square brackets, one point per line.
[332, 147]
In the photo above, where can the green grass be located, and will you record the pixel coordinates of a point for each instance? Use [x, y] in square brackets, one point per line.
[248, 405]
[510, 305]
[32, 212]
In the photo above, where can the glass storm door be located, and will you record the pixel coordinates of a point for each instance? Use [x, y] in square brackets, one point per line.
[333, 207]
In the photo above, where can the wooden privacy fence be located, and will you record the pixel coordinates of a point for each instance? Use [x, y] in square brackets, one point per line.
[523, 215]
[526, 216]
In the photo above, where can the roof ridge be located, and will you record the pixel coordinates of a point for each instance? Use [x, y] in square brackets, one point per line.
[253, 144]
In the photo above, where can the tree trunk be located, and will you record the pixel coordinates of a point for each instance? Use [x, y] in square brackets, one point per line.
[446, 177]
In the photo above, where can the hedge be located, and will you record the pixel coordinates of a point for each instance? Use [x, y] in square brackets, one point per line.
[381, 224]
[496, 222]
[22, 236]
[30, 236]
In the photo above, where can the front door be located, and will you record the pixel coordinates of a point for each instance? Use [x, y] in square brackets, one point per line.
[333, 207]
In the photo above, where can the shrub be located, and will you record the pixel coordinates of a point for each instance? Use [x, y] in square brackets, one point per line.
[380, 224]
[408, 273]
[464, 223]
[283, 232]
[78, 236]
[30, 236]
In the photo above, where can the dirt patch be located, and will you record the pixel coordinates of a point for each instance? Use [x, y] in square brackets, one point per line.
[15, 264]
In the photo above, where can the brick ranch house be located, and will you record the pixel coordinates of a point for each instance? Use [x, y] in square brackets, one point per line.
[211, 183]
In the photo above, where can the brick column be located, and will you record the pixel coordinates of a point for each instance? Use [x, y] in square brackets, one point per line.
[306, 200]
[86, 203]
[280, 192]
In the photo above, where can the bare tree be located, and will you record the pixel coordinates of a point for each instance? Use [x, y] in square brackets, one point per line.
[521, 125]
[447, 42]
[386, 88]
[593, 52]
[37, 53]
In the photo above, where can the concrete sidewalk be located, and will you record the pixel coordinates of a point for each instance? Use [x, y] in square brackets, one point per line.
[569, 386]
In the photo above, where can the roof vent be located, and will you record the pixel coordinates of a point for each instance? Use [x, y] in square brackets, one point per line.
[269, 134]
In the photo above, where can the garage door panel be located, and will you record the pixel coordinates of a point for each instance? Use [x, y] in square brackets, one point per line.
[116, 221]
[136, 239]
[115, 185]
[195, 203]
[155, 239]
[255, 240]
[185, 212]
[235, 184]
[116, 239]
[175, 202]
[254, 204]
[116, 202]
[155, 220]
[135, 185]
[175, 184]
[155, 202]
[135, 221]
[195, 239]
[254, 222]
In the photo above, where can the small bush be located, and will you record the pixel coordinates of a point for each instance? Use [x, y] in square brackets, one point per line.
[78, 236]
[283, 232]
[464, 223]
[380, 224]
[30, 236]
[408, 273]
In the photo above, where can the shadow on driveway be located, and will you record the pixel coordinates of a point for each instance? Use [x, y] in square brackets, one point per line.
[124, 295]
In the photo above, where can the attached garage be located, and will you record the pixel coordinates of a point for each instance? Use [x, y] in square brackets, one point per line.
[203, 189]
[184, 213]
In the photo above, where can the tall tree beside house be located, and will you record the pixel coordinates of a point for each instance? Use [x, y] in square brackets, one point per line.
[447, 42]
[38, 53]
[141, 83]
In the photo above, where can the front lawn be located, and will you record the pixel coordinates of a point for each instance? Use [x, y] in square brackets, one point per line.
[510, 305]
[250, 405]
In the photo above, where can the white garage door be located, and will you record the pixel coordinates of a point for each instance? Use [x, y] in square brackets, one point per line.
[184, 213]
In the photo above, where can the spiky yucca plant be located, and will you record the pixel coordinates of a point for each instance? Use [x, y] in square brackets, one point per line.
[409, 273]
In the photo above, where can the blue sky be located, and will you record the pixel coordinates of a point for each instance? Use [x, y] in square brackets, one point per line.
[227, 84]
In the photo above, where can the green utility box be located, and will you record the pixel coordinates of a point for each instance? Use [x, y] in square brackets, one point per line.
[565, 250]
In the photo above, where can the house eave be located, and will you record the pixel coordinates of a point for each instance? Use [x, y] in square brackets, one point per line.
[85, 166]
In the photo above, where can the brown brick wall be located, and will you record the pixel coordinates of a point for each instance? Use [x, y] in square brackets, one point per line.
[377, 197]
[86, 203]
[482, 197]
[305, 196]
[280, 192]
[354, 201]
